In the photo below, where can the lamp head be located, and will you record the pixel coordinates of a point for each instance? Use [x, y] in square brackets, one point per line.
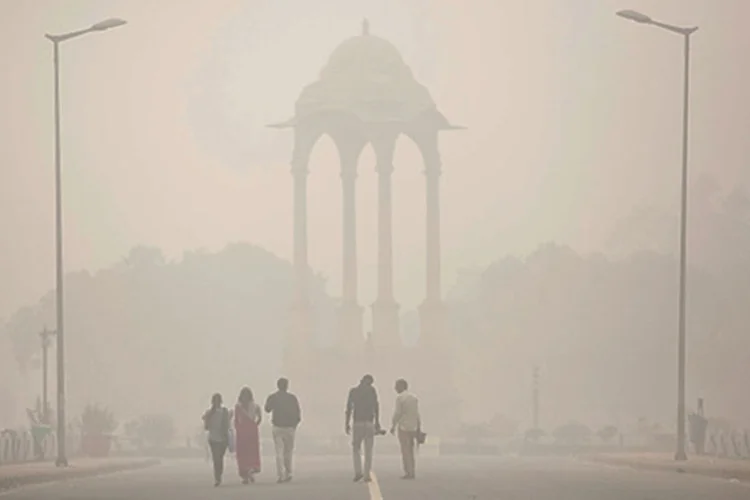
[635, 16]
[107, 24]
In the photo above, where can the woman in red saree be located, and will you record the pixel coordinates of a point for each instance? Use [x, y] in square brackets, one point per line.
[247, 418]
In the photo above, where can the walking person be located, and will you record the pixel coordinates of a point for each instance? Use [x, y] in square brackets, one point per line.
[216, 422]
[247, 418]
[408, 424]
[363, 409]
[285, 417]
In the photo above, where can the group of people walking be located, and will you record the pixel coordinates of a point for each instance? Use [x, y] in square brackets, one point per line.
[247, 417]
[362, 423]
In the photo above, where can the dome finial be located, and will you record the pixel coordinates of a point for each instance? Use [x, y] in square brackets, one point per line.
[365, 27]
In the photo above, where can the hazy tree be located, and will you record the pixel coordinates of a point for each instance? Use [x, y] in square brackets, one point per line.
[149, 335]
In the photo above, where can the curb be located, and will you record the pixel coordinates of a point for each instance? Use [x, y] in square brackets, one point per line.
[10, 483]
[720, 473]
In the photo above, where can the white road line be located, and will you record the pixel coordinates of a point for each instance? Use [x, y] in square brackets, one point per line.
[374, 488]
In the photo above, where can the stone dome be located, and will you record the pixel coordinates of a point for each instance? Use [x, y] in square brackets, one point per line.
[367, 77]
[368, 53]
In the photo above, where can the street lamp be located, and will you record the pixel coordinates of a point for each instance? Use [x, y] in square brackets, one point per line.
[631, 15]
[62, 460]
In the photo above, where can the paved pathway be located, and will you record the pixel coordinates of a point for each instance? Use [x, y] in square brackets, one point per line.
[705, 465]
[439, 479]
[15, 475]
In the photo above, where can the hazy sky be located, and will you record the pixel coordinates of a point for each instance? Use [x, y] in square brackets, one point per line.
[573, 120]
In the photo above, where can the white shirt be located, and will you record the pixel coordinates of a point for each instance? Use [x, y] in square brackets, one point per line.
[406, 414]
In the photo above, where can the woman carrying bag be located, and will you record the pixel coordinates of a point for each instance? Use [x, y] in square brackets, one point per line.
[216, 422]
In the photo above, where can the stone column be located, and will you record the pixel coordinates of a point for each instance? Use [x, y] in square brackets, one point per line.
[432, 254]
[299, 336]
[432, 309]
[299, 173]
[385, 309]
[435, 350]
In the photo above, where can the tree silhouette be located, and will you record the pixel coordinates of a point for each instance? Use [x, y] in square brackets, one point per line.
[604, 331]
[149, 335]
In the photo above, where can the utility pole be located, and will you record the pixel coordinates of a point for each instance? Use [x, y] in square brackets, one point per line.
[45, 335]
[535, 397]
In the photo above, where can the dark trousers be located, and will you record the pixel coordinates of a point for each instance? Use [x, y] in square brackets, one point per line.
[218, 449]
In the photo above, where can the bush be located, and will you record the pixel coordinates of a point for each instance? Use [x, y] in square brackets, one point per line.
[573, 433]
[97, 420]
[153, 431]
[534, 434]
[475, 432]
[607, 434]
[502, 426]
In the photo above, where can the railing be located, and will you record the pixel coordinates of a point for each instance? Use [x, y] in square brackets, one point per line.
[728, 444]
[18, 446]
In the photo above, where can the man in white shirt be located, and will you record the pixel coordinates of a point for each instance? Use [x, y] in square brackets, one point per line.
[407, 422]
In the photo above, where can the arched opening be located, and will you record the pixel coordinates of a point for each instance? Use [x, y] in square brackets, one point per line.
[367, 231]
[324, 228]
[408, 232]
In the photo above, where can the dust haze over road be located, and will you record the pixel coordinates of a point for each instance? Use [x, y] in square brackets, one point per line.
[468, 478]
[480, 197]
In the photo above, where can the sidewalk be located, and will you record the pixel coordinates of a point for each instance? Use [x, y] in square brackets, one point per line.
[16, 475]
[706, 466]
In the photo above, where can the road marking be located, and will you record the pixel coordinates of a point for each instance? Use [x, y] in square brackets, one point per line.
[374, 488]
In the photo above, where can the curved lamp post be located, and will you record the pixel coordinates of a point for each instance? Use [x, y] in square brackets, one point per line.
[632, 15]
[62, 459]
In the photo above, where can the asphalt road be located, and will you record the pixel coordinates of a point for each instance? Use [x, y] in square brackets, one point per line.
[439, 479]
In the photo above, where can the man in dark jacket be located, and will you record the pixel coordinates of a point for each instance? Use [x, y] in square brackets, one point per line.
[362, 407]
[285, 417]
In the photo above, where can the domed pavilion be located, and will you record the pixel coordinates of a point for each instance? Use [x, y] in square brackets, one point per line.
[367, 94]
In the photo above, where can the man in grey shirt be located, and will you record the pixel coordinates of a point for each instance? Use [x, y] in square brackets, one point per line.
[363, 408]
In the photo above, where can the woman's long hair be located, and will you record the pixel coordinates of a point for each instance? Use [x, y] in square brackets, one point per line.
[245, 399]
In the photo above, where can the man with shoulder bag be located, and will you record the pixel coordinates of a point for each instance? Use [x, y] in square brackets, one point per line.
[408, 424]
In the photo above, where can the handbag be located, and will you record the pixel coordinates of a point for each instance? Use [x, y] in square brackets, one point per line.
[421, 437]
[232, 441]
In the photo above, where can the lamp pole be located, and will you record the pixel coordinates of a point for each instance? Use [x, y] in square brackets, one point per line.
[45, 336]
[680, 453]
[62, 460]
[535, 397]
